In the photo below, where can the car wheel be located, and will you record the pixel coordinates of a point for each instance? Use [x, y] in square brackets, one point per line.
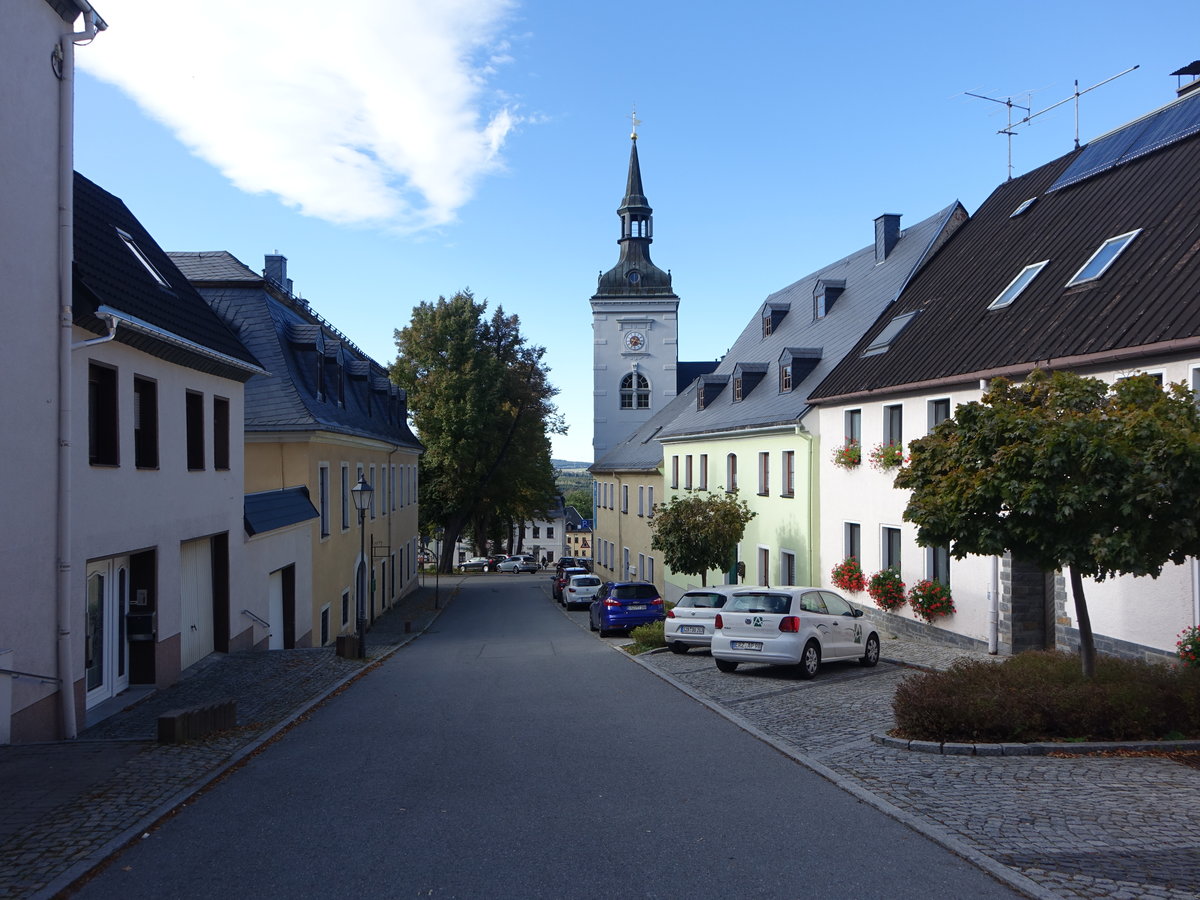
[810, 660]
[486, 569]
[871, 653]
[726, 665]
[677, 647]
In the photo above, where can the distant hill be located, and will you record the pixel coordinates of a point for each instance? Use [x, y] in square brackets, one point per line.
[569, 467]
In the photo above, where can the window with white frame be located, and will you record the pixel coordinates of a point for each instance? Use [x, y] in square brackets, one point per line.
[731, 472]
[853, 426]
[939, 411]
[764, 567]
[764, 474]
[649, 569]
[641, 569]
[345, 496]
[937, 563]
[323, 495]
[641, 500]
[704, 471]
[650, 500]
[893, 425]
[674, 471]
[852, 540]
[1103, 258]
[625, 498]
[890, 547]
[1017, 285]
[687, 472]
[789, 473]
[787, 567]
[371, 502]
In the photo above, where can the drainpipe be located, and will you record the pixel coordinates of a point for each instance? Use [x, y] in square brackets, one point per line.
[993, 584]
[66, 257]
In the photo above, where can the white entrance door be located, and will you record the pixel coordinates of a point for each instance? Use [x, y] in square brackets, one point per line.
[106, 649]
[196, 595]
[275, 610]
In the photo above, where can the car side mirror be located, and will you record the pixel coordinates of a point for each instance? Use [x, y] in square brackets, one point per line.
[856, 613]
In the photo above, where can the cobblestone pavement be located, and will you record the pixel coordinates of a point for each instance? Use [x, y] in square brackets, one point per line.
[68, 805]
[1080, 826]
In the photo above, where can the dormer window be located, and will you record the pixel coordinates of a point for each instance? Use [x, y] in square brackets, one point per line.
[737, 389]
[825, 294]
[773, 314]
[795, 364]
[746, 377]
[1103, 258]
[708, 387]
[142, 257]
[1018, 284]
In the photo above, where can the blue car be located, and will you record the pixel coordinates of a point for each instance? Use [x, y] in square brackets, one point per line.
[622, 605]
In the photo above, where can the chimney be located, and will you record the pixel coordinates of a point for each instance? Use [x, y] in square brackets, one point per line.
[887, 232]
[275, 271]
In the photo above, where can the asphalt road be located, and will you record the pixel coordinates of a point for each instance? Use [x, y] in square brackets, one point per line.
[510, 753]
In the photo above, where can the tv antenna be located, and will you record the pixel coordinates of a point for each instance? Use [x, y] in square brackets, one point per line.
[1030, 116]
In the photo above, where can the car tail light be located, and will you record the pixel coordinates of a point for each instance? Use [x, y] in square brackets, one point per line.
[571, 590]
[790, 624]
[611, 601]
[657, 601]
[670, 613]
[717, 623]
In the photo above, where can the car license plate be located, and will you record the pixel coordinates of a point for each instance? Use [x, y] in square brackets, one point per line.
[691, 629]
[636, 606]
[746, 645]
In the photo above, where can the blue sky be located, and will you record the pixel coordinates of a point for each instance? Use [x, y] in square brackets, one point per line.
[398, 150]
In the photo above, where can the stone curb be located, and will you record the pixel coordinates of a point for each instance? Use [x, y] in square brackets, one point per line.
[80, 869]
[1039, 748]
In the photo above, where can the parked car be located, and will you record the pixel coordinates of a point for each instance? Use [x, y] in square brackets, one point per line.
[690, 622]
[622, 605]
[573, 562]
[516, 564]
[558, 581]
[478, 564]
[800, 627]
[580, 589]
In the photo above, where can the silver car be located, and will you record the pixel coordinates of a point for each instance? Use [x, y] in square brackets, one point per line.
[690, 622]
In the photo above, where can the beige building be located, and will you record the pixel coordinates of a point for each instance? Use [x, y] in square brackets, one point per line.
[324, 417]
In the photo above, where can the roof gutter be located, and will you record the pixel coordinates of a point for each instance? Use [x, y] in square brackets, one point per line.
[133, 323]
[1020, 370]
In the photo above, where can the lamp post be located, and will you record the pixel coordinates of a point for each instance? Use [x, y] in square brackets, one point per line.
[362, 494]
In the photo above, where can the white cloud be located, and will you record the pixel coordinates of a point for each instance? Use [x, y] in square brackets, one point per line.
[353, 111]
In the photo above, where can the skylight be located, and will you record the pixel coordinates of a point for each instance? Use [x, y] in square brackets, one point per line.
[891, 331]
[1103, 258]
[142, 258]
[1018, 284]
[1024, 206]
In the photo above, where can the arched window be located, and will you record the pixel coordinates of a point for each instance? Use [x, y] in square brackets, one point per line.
[635, 391]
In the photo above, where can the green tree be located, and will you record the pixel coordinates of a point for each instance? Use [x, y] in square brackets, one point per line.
[699, 532]
[480, 400]
[581, 500]
[1066, 472]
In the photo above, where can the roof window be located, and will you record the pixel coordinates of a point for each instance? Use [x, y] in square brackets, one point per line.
[891, 331]
[1103, 258]
[1018, 284]
[142, 257]
[1022, 208]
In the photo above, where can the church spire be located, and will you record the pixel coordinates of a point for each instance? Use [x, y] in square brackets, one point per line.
[634, 272]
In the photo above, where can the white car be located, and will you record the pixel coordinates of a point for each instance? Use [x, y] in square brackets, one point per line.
[580, 589]
[689, 622]
[794, 626]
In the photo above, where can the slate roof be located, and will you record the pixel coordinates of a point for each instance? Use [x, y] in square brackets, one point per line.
[1147, 302]
[268, 510]
[866, 289]
[288, 337]
[171, 322]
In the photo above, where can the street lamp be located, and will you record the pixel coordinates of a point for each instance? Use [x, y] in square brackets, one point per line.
[362, 494]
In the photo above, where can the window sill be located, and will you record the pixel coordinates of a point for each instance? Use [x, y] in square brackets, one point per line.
[764, 493]
[789, 495]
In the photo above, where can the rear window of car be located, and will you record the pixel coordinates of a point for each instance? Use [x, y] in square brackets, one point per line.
[635, 592]
[703, 600]
[760, 603]
[585, 581]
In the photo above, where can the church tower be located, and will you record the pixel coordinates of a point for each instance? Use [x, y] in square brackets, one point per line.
[635, 326]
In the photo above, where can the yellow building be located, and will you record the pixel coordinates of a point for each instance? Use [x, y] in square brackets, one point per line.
[325, 417]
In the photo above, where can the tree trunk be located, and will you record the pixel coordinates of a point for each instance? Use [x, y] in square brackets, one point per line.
[1087, 643]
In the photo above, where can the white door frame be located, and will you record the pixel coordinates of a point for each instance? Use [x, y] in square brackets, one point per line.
[106, 644]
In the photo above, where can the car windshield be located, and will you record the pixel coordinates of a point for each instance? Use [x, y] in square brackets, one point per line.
[705, 600]
[760, 603]
[634, 592]
[585, 581]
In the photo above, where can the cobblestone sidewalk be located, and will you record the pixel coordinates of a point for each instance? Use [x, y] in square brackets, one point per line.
[68, 805]
[1073, 827]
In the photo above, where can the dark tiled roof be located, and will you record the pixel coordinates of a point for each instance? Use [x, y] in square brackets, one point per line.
[1147, 302]
[107, 273]
[268, 510]
[292, 343]
[687, 372]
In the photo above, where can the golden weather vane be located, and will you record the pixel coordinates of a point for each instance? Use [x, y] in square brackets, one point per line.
[636, 122]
